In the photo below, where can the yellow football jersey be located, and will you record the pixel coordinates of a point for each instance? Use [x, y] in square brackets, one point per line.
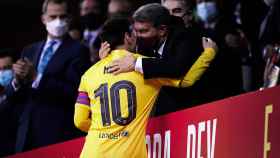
[114, 109]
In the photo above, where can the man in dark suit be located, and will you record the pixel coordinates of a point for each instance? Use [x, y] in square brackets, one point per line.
[176, 48]
[48, 75]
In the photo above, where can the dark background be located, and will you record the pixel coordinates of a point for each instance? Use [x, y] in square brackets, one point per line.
[21, 20]
[20, 23]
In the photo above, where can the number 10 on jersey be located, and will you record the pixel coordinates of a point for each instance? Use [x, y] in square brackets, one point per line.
[102, 93]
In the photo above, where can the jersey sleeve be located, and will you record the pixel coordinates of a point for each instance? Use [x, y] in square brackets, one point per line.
[82, 118]
[198, 68]
[195, 72]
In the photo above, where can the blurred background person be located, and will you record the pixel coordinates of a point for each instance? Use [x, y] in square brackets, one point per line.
[183, 9]
[225, 78]
[8, 108]
[261, 29]
[246, 58]
[93, 14]
[7, 59]
[6, 72]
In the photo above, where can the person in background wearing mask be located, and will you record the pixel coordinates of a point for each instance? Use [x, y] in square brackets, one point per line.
[225, 32]
[201, 92]
[93, 15]
[6, 72]
[7, 57]
[48, 74]
[183, 9]
[207, 12]
[7, 104]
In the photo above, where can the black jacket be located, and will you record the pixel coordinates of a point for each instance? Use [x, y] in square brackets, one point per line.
[182, 48]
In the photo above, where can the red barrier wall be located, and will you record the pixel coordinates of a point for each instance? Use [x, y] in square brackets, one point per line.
[246, 126]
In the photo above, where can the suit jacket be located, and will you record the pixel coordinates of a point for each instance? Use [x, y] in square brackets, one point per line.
[47, 114]
[182, 48]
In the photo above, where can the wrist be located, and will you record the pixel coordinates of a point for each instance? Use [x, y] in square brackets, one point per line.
[138, 65]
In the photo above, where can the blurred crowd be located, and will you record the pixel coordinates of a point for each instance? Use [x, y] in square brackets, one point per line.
[39, 90]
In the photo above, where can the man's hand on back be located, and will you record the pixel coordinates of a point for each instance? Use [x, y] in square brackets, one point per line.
[125, 64]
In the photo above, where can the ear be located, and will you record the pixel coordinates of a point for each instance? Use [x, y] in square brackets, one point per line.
[162, 30]
[127, 38]
[130, 40]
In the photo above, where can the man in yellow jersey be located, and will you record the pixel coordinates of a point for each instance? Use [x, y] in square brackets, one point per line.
[114, 109]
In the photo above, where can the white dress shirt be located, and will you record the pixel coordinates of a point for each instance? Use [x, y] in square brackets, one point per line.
[138, 65]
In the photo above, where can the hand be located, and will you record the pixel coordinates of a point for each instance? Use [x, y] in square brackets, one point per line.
[20, 70]
[208, 43]
[125, 64]
[104, 50]
[24, 70]
[32, 73]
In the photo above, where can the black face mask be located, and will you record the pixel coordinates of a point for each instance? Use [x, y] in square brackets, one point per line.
[92, 21]
[146, 46]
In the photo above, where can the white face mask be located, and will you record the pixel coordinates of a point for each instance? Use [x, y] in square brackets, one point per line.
[269, 2]
[207, 11]
[57, 27]
[6, 77]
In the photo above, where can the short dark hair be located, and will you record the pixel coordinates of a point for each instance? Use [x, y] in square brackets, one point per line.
[114, 31]
[46, 3]
[153, 13]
